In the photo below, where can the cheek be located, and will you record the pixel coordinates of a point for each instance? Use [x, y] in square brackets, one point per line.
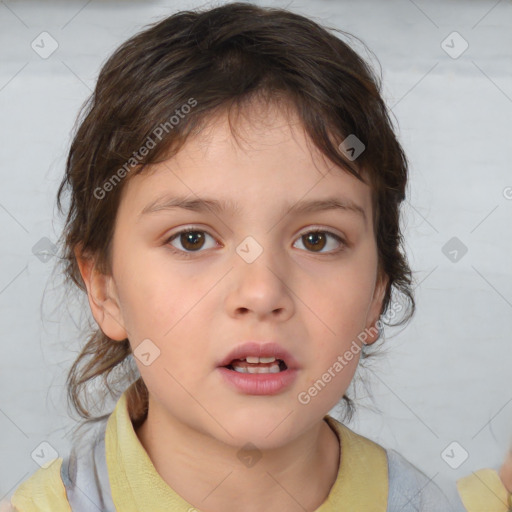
[340, 300]
[341, 296]
[154, 294]
[166, 304]
[326, 387]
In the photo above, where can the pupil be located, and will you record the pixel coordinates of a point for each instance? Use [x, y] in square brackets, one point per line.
[314, 238]
[191, 238]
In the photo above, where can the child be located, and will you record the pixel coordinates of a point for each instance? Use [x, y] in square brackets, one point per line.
[235, 189]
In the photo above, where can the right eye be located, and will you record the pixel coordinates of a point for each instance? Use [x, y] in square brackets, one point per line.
[190, 239]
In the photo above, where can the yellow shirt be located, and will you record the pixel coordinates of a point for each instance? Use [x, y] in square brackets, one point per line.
[133, 474]
[136, 486]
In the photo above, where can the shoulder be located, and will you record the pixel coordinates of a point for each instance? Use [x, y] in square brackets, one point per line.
[483, 489]
[70, 482]
[44, 491]
[410, 490]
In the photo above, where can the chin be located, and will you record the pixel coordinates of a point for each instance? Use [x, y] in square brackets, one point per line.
[265, 433]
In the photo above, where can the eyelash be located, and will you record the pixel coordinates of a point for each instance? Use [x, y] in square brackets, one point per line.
[189, 254]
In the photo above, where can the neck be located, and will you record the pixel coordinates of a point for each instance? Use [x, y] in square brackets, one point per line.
[209, 474]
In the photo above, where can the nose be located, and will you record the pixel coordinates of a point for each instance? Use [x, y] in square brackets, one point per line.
[261, 289]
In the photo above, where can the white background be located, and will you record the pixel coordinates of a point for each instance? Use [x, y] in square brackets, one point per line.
[447, 375]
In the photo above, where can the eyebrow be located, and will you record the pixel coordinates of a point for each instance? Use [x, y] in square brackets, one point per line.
[205, 204]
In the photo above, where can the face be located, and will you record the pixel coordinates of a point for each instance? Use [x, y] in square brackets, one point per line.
[257, 268]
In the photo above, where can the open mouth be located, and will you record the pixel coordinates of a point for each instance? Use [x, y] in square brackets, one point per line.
[257, 365]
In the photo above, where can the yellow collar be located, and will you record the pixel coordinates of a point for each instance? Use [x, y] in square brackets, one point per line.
[361, 484]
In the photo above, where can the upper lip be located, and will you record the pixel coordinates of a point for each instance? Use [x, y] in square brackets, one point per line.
[260, 349]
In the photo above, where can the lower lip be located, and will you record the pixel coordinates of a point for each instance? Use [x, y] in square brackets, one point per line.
[259, 383]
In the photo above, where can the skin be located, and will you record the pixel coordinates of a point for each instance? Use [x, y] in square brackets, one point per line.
[505, 471]
[196, 309]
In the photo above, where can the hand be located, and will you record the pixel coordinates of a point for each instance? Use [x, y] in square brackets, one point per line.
[5, 506]
[505, 471]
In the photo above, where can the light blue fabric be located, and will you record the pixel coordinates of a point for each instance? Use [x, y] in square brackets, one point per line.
[410, 490]
[85, 477]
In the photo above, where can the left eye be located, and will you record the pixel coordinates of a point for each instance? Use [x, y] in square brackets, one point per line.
[318, 240]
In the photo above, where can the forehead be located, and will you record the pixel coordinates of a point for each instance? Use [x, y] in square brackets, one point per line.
[260, 158]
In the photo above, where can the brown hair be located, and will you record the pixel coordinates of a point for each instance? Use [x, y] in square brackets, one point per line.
[171, 78]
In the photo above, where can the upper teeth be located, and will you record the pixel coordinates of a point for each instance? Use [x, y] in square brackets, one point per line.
[254, 359]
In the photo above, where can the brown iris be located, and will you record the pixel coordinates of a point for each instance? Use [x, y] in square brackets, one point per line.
[315, 240]
[192, 240]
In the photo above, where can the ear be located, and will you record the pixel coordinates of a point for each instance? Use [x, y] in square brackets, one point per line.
[103, 299]
[376, 308]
